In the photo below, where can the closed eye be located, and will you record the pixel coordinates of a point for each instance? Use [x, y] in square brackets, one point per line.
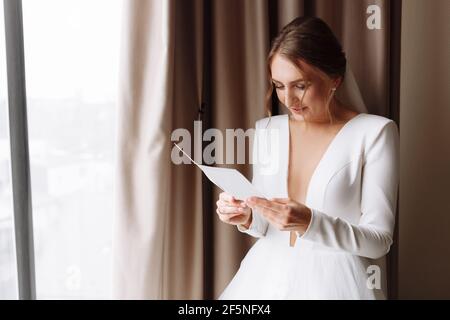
[300, 87]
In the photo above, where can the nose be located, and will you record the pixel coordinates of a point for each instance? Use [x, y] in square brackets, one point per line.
[290, 98]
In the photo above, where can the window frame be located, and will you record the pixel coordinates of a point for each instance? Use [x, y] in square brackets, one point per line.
[20, 161]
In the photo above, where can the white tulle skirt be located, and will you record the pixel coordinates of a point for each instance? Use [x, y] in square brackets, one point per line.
[273, 270]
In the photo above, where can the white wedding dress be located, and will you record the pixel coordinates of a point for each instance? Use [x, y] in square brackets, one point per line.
[353, 196]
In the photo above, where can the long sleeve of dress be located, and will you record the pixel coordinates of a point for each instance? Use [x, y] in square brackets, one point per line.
[258, 227]
[372, 236]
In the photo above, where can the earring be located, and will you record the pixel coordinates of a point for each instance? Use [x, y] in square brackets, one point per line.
[333, 89]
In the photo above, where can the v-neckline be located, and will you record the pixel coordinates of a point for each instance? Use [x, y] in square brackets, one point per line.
[323, 157]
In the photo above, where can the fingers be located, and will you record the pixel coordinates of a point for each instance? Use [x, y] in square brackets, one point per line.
[227, 216]
[231, 210]
[281, 222]
[232, 218]
[270, 214]
[277, 211]
[226, 197]
[230, 200]
[281, 200]
[264, 203]
[225, 209]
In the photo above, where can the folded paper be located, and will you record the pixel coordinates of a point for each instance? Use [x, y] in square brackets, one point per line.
[229, 180]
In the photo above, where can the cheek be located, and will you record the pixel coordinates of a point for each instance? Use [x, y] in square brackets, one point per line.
[315, 95]
[312, 97]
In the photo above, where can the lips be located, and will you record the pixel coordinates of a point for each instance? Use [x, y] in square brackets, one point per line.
[298, 109]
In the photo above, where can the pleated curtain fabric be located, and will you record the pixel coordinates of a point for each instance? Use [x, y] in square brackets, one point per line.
[178, 55]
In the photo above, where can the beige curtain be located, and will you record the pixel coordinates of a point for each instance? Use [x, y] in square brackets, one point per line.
[157, 230]
[177, 54]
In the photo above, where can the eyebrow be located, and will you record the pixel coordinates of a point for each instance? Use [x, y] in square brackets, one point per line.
[298, 80]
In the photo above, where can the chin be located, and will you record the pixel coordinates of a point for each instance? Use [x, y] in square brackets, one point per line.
[297, 116]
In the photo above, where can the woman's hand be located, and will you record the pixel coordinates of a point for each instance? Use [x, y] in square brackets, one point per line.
[284, 214]
[233, 211]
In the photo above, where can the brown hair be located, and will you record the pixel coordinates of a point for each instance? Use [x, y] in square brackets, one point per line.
[310, 40]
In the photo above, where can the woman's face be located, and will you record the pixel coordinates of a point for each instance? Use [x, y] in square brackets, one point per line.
[291, 87]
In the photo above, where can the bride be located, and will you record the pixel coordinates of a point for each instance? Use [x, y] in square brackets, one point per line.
[327, 220]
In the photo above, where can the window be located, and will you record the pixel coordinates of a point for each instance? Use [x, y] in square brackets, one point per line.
[71, 64]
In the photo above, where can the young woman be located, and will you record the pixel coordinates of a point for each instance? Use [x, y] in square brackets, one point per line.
[327, 221]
